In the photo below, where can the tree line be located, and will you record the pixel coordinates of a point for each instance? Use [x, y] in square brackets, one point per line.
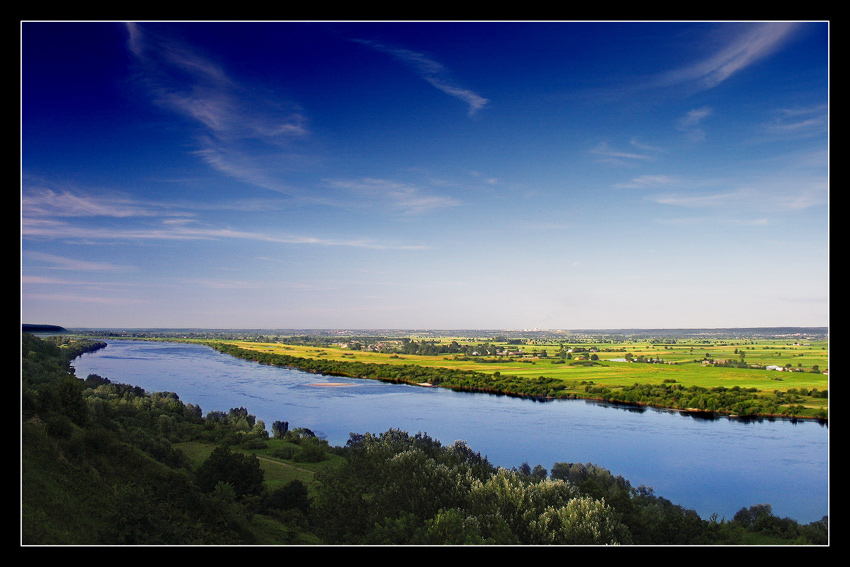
[720, 399]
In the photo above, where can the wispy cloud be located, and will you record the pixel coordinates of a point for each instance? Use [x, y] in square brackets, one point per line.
[42, 202]
[229, 117]
[604, 152]
[776, 195]
[803, 121]
[712, 220]
[257, 171]
[71, 298]
[691, 123]
[55, 262]
[646, 181]
[401, 197]
[177, 232]
[75, 289]
[141, 221]
[746, 44]
[432, 72]
[198, 88]
[486, 179]
[736, 201]
[227, 284]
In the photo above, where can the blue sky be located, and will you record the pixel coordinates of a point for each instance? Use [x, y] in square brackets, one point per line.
[466, 175]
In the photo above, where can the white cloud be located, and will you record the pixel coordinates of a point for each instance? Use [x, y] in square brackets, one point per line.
[694, 117]
[646, 181]
[229, 116]
[776, 195]
[797, 122]
[690, 123]
[606, 153]
[176, 232]
[432, 72]
[55, 262]
[749, 43]
[46, 202]
[70, 298]
[48, 214]
[398, 196]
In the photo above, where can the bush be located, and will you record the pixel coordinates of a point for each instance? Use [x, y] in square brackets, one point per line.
[241, 471]
[312, 450]
[292, 496]
[256, 444]
[286, 452]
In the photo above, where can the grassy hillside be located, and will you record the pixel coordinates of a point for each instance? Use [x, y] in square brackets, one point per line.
[105, 463]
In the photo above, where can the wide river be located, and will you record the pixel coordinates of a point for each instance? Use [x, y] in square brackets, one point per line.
[713, 466]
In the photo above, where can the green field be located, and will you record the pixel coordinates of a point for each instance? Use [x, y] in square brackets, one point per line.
[687, 363]
[277, 471]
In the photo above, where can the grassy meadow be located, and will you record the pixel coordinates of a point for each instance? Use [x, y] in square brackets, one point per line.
[277, 471]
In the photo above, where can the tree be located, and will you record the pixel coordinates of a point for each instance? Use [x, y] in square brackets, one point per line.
[582, 521]
[747, 517]
[292, 496]
[279, 429]
[538, 472]
[239, 470]
[391, 484]
[541, 512]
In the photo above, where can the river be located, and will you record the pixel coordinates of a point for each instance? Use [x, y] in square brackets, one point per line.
[714, 466]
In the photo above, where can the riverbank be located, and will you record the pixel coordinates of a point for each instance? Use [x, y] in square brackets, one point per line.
[733, 402]
[719, 389]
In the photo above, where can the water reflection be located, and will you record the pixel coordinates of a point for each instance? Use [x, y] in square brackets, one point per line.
[620, 406]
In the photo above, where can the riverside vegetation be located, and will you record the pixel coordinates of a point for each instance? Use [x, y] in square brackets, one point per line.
[743, 373]
[104, 463]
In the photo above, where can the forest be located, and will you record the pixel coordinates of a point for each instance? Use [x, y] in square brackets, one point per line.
[105, 463]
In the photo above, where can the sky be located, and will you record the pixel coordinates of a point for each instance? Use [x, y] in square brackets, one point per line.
[424, 175]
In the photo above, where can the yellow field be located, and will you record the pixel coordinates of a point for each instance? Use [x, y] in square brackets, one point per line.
[614, 374]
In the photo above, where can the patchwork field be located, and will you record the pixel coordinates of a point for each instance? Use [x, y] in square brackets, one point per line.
[765, 367]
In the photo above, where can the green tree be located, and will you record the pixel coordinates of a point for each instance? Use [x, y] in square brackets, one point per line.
[279, 429]
[454, 527]
[544, 512]
[239, 470]
[291, 496]
[582, 521]
[69, 392]
[391, 484]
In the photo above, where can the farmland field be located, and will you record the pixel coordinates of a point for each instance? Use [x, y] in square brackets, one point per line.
[787, 370]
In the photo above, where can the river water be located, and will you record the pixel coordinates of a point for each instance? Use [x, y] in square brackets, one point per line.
[714, 466]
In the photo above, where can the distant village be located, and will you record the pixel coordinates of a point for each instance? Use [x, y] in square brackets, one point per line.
[427, 347]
